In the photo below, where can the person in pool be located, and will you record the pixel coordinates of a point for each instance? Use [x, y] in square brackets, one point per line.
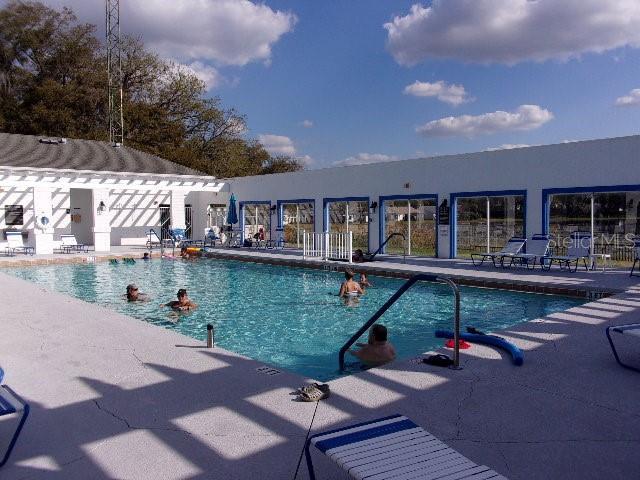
[183, 304]
[134, 295]
[146, 256]
[350, 288]
[378, 350]
[364, 281]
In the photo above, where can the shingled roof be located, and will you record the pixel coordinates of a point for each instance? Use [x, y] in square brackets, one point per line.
[32, 151]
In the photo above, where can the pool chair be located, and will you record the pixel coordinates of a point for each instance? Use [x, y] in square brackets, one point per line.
[16, 245]
[69, 244]
[13, 409]
[537, 251]
[211, 236]
[393, 448]
[636, 256]
[513, 247]
[153, 240]
[579, 249]
[631, 330]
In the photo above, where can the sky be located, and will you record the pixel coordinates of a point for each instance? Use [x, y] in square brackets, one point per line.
[361, 81]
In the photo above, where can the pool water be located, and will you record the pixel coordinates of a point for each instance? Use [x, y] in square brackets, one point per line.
[290, 318]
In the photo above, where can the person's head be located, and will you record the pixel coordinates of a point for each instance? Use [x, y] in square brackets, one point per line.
[348, 274]
[183, 250]
[182, 293]
[363, 276]
[132, 291]
[359, 252]
[146, 255]
[378, 333]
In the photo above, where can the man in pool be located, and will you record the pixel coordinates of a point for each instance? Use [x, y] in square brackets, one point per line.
[183, 304]
[134, 295]
[350, 288]
[377, 351]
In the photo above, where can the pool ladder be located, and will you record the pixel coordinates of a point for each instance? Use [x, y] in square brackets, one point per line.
[394, 298]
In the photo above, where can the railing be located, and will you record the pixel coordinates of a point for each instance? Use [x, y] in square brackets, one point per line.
[328, 246]
[404, 246]
[407, 285]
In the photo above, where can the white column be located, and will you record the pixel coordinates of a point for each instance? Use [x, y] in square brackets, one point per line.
[177, 209]
[101, 211]
[42, 220]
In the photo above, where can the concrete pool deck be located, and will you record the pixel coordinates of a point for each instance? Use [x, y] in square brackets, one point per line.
[115, 397]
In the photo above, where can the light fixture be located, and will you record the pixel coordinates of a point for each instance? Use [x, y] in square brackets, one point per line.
[101, 207]
[273, 209]
[373, 206]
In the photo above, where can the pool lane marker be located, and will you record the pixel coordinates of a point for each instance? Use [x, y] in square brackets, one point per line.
[266, 370]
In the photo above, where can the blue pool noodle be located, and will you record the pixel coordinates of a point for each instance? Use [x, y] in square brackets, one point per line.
[516, 353]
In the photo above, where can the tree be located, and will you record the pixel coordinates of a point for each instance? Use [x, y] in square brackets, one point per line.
[53, 82]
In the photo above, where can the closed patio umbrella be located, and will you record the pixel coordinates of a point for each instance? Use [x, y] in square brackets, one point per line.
[232, 214]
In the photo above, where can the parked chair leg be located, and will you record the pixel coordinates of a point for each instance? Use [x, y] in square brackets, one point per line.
[615, 352]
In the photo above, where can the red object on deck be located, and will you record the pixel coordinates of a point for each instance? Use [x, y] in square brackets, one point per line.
[461, 344]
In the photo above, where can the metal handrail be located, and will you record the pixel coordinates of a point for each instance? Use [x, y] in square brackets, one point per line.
[404, 246]
[406, 286]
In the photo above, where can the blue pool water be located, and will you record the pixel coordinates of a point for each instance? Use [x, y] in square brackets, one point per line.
[287, 317]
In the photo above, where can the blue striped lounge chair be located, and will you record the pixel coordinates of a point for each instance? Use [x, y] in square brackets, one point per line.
[630, 330]
[636, 256]
[394, 448]
[14, 408]
[513, 247]
[579, 249]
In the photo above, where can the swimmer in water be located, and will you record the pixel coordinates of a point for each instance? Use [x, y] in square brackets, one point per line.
[183, 304]
[364, 281]
[134, 295]
[350, 288]
[377, 351]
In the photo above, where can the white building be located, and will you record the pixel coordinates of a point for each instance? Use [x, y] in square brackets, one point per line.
[455, 203]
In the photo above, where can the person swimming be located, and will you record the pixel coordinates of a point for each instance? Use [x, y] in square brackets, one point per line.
[364, 281]
[183, 304]
[134, 295]
[378, 350]
[350, 288]
[146, 256]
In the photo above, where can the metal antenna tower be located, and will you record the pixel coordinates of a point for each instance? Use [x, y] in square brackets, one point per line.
[114, 71]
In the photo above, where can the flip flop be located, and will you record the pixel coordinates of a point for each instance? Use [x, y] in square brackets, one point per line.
[314, 395]
[439, 360]
[323, 387]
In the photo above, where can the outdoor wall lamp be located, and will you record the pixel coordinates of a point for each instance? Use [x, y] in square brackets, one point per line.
[101, 207]
[273, 209]
[373, 207]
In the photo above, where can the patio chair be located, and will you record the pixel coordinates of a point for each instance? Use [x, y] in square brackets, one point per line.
[632, 330]
[69, 244]
[513, 247]
[153, 240]
[12, 407]
[211, 236]
[636, 256]
[579, 249]
[393, 448]
[537, 250]
[16, 245]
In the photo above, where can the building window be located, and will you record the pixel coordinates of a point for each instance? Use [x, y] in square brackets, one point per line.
[13, 215]
[416, 221]
[296, 219]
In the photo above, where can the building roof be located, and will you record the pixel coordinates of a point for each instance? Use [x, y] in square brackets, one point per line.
[31, 151]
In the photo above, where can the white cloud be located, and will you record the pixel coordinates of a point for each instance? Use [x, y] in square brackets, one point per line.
[227, 32]
[306, 123]
[364, 158]
[526, 117]
[208, 74]
[633, 98]
[306, 160]
[511, 31]
[277, 144]
[508, 146]
[451, 94]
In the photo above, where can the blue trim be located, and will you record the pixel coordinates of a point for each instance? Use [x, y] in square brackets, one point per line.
[547, 192]
[418, 196]
[453, 212]
[280, 203]
[241, 211]
[367, 434]
[325, 212]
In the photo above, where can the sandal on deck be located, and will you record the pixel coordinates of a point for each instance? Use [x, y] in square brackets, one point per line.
[439, 360]
[323, 387]
[314, 394]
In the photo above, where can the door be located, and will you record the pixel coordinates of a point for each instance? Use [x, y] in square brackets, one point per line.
[165, 221]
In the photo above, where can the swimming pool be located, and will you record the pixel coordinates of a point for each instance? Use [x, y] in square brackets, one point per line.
[290, 318]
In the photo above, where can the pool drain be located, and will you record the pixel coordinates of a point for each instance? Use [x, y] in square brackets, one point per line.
[266, 370]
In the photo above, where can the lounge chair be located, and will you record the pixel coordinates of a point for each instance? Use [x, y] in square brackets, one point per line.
[394, 448]
[513, 247]
[11, 405]
[636, 256]
[633, 330]
[16, 245]
[69, 244]
[537, 250]
[153, 240]
[211, 236]
[579, 249]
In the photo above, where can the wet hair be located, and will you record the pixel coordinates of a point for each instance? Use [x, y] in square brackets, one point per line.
[348, 274]
[182, 292]
[379, 332]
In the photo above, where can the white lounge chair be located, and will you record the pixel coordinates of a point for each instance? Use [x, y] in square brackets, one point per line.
[394, 448]
[636, 256]
[537, 250]
[211, 235]
[513, 247]
[70, 244]
[579, 249]
[632, 330]
[16, 245]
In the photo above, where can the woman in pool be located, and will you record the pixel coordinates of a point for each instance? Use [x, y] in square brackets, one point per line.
[350, 288]
[364, 281]
[183, 304]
